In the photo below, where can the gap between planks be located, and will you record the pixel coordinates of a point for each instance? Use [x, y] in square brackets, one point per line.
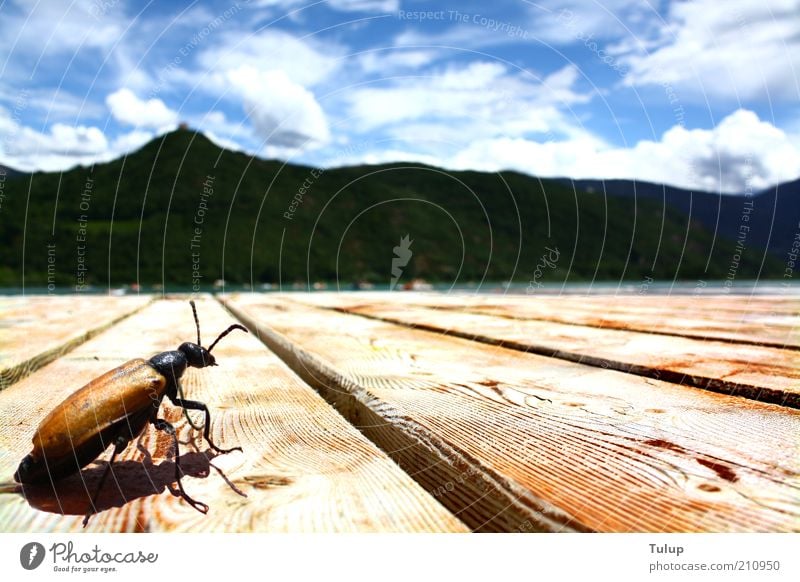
[518, 442]
[304, 468]
[766, 322]
[755, 372]
[35, 331]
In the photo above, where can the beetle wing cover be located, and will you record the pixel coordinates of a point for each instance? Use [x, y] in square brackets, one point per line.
[107, 399]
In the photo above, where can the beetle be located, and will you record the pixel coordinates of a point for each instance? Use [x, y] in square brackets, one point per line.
[115, 408]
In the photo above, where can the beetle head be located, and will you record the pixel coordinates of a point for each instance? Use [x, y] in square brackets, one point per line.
[197, 356]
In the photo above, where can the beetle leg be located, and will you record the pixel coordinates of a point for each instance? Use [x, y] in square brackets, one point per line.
[194, 405]
[181, 399]
[119, 445]
[162, 424]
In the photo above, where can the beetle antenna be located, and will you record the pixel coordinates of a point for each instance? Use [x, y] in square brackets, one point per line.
[196, 321]
[226, 332]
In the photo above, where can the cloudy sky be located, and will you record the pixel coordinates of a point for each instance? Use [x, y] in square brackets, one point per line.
[695, 94]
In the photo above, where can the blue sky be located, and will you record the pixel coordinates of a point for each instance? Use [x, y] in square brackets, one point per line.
[686, 93]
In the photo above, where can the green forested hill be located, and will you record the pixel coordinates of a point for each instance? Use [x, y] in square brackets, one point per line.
[181, 207]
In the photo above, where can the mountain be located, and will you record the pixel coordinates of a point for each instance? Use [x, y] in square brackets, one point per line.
[181, 211]
[6, 172]
[772, 216]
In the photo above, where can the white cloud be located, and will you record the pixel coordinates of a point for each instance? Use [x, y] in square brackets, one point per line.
[304, 61]
[55, 27]
[219, 123]
[270, 73]
[450, 94]
[741, 152]
[741, 149]
[283, 113]
[64, 146]
[542, 22]
[227, 134]
[365, 5]
[127, 108]
[386, 62]
[562, 22]
[462, 35]
[130, 142]
[458, 105]
[130, 72]
[7, 124]
[223, 142]
[341, 5]
[64, 140]
[748, 50]
[54, 103]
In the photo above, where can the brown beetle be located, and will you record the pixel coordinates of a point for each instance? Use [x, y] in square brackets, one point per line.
[114, 409]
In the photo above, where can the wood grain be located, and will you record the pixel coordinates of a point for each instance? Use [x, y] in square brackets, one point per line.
[303, 468]
[510, 441]
[704, 319]
[764, 321]
[757, 372]
[35, 330]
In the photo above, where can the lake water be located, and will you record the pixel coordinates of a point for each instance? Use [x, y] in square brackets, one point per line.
[646, 287]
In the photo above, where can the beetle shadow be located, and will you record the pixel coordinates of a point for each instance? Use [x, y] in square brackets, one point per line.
[127, 481]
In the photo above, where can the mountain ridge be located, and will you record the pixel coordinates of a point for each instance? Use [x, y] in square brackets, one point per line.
[772, 222]
[181, 210]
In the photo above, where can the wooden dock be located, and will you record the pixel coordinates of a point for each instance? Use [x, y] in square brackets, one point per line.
[424, 412]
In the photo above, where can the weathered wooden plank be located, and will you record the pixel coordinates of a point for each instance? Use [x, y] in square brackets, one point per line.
[700, 321]
[773, 322]
[35, 330]
[741, 319]
[303, 468]
[512, 441]
[737, 304]
[756, 372]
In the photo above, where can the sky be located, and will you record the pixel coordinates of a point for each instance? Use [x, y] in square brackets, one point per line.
[696, 94]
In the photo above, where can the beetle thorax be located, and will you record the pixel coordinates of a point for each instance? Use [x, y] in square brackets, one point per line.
[171, 365]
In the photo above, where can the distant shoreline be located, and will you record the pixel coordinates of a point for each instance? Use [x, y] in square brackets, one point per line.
[742, 288]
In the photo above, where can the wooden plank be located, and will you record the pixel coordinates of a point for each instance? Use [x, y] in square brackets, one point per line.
[303, 469]
[519, 442]
[737, 304]
[782, 316]
[705, 321]
[772, 322]
[35, 330]
[756, 372]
